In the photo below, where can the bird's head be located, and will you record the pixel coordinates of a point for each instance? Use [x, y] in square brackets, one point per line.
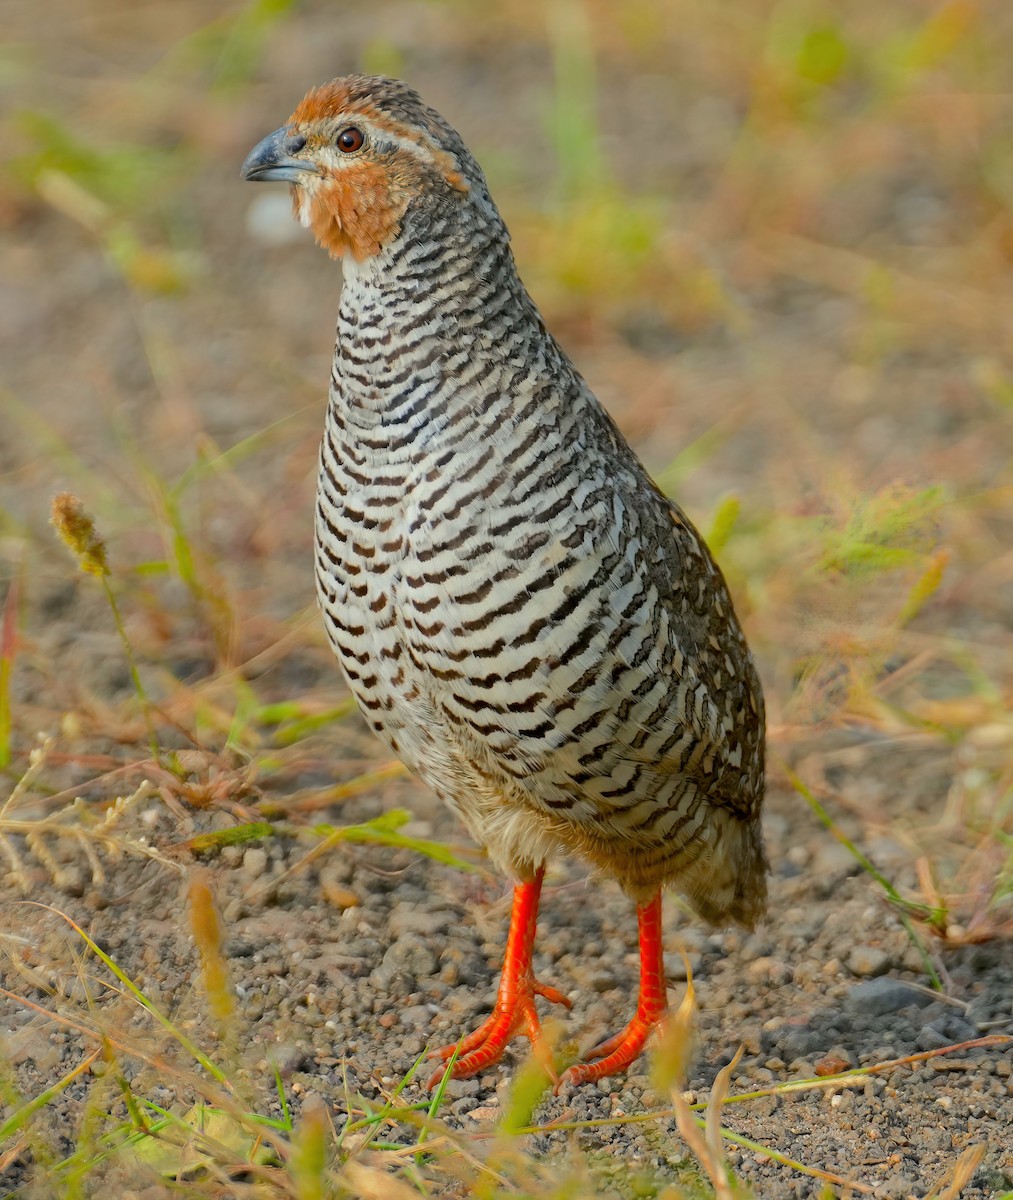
[359, 152]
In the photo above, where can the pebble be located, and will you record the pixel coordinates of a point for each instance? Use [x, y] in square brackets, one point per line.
[255, 862]
[417, 1015]
[601, 979]
[868, 961]
[412, 920]
[457, 1088]
[800, 1042]
[757, 945]
[231, 856]
[769, 970]
[945, 1031]
[836, 860]
[883, 995]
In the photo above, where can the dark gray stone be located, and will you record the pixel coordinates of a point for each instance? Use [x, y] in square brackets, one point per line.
[883, 995]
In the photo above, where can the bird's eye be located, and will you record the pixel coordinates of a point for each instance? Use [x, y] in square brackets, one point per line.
[350, 140]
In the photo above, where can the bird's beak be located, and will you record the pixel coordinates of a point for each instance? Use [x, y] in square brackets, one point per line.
[272, 159]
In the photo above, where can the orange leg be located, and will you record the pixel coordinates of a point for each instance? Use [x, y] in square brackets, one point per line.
[514, 1011]
[618, 1052]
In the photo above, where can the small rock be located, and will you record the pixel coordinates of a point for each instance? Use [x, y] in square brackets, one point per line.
[336, 893]
[835, 860]
[945, 1031]
[798, 855]
[410, 920]
[73, 880]
[458, 1088]
[417, 1015]
[409, 955]
[800, 1042]
[769, 970]
[757, 945]
[897, 1187]
[255, 862]
[601, 979]
[832, 1064]
[884, 995]
[868, 961]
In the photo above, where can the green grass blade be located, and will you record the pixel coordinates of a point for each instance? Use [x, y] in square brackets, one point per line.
[212, 1069]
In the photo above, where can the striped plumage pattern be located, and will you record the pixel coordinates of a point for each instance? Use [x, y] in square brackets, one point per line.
[522, 616]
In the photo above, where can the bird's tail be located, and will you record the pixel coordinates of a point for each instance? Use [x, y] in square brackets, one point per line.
[732, 886]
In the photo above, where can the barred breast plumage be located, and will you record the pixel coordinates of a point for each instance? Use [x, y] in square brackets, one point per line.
[522, 616]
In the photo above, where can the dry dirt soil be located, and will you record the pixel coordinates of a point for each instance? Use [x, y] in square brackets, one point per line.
[347, 966]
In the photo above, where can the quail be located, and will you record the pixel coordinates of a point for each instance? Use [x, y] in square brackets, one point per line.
[523, 617]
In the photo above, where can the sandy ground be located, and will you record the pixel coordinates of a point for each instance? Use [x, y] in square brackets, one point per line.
[347, 997]
[347, 968]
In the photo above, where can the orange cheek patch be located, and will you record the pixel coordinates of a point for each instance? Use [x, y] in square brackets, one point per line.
[356, 211]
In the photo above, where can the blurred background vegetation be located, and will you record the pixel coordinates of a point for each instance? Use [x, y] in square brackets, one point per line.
[776, 237]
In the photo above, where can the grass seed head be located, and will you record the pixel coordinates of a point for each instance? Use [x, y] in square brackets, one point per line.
[77, 529]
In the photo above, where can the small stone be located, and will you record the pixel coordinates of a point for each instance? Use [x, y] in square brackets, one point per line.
[416, 1015]
[884, 995]
[255, 862]
[947, 1030]
[769, 970]
[832, 1064]
[757, 945]
[834, 859]
[336, 893]
[73, 880]
[868, 961]
[601, 979]
[896, 1187]
[799, 1042]
[457, 1088]
[410, 920]
[411, 956]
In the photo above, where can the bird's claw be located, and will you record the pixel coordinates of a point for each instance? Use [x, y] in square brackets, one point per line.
[613, 1055]
[514, 1014]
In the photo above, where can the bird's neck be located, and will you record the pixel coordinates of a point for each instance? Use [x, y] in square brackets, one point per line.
[438, 312]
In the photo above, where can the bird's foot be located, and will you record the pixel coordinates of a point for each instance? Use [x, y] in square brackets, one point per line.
[514, 1014]
[616, 1053]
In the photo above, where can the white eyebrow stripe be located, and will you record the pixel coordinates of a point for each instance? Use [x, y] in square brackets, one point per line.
[426, 152]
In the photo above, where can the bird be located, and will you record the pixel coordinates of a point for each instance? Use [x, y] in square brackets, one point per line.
[535, 629]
